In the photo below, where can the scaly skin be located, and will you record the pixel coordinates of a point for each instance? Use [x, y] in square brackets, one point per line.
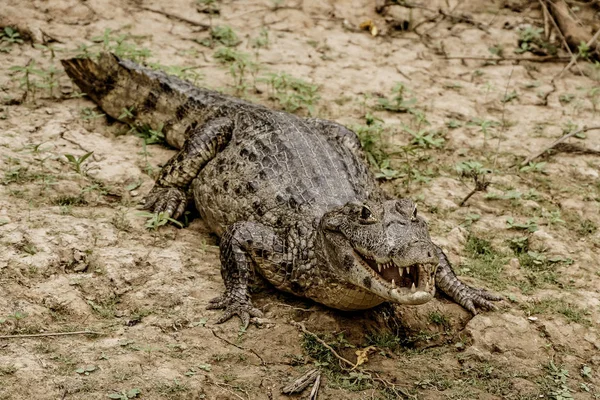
[291, 198]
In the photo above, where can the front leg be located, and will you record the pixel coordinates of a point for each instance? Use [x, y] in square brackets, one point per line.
[242, 244]
[465, 295]
[169, 194]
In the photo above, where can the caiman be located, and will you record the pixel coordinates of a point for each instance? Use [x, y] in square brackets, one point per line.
[291, 198]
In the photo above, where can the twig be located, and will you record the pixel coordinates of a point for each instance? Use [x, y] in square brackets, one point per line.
[392, 386]
[222, 386]
[51, 334]
[546, 14]
[575, 56]
[558, 31]
[315, 389]
[239, 347]
[177, 17]
[558, 141]
[321, 341]
[536, 59]
[302, 382]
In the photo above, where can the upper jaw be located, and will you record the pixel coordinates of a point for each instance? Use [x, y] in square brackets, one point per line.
[405, 284]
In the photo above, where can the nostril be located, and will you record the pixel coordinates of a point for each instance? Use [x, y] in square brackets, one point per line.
[429, 254]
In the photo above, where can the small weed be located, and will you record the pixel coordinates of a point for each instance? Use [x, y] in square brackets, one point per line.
[586, 372]
[484, 262]
[583, 51]
[435, 381]
[566, 98]
[173, 388]
[17, 317]
[120, 46]
[570, 311]
[10, 35]
[320, 353]
[77, 162]
[155, 221]
[509, 195]
[534, 167]
[519, 245]
[88, 114]
[477, 172]
[68, 201]
[397, 103]
[240, 65]
[221, 34]
[88, 369]
[384, 340]
[151, 136]
[426, 139]
[120, 221]
[587, 228]
[470, 219]
[209, 7]
[372, 139]
[484, 125]
[262, 40]
[26, 78]
[453, 124]
[437, 318]
[531, 40]
[554, 218]
[496, 50]
[292, 94]
[556, 382]
[531, 224]
[510, 97]
[48, 48]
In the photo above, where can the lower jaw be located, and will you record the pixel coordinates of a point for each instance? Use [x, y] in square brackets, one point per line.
[416, 298]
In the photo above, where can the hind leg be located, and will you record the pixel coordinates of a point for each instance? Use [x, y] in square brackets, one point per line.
[169, 194]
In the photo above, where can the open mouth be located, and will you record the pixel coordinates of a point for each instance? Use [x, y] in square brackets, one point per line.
[416, 277]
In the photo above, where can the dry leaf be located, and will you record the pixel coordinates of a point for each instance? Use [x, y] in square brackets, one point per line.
[362, 356]
[368, 25]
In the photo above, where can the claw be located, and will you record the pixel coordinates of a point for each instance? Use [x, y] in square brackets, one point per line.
[244, 310]
[171, 201]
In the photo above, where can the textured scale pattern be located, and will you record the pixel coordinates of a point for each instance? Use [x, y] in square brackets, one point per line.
[278, 189]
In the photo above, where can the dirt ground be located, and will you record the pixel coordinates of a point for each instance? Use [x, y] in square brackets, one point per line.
[76, 256]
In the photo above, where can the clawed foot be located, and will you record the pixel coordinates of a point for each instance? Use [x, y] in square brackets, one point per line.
[472, 298]
[167, 200]
[232, 306]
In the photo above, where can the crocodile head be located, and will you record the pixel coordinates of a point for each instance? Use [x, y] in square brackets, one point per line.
[382, 247]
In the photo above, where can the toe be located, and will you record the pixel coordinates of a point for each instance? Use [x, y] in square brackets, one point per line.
[226, 316]
[245, 317]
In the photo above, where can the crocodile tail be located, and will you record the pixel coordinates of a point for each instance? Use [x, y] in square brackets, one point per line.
[138, 95]
[96, 79]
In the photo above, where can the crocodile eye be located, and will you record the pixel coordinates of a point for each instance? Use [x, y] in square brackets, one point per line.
[366, 216]
[413, 217]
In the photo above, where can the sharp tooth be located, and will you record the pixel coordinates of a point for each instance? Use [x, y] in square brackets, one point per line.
[427, 286]
[379, 267]
[413, 288]
[393, 283]
[407, 270]
[401, 271]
